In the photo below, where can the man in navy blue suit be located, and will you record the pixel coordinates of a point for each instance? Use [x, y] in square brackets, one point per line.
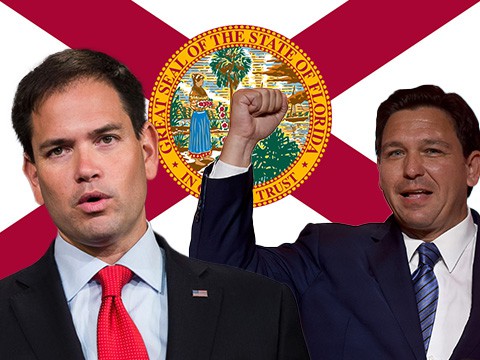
[354, 284]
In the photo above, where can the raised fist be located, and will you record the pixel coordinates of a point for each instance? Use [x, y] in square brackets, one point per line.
[254, 114]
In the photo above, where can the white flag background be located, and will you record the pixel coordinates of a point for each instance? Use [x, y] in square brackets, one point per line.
[448, 57]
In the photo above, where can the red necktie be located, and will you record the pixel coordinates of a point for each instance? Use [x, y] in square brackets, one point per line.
[117, 336]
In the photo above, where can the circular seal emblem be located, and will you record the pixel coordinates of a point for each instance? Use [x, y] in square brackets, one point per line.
[190, 105]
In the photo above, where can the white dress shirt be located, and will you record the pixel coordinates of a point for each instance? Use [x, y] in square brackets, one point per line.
[454, 275]
[144, 297]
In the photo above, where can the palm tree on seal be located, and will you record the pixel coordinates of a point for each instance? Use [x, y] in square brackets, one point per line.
[230, 66]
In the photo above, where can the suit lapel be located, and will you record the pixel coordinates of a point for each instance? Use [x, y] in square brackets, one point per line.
[43, 314]
[192, 320]
[471, 334]
[387, 257]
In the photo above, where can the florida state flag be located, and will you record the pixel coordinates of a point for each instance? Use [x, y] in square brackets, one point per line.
[363, 49]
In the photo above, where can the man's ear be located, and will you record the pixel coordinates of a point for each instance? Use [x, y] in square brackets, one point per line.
[473, 168]
[30, 171]
[378, 172]
[149, 140]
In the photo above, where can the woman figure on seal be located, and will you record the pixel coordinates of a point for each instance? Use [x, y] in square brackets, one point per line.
[200, 142]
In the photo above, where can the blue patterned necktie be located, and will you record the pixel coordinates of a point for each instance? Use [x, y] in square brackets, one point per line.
[426, 288]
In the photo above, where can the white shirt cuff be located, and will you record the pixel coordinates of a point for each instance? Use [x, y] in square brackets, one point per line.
[223, 170]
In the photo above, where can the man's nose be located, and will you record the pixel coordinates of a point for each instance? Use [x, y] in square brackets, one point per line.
[413, 166]
[86, 165]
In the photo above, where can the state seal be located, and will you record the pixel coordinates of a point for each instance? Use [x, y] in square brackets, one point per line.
[190, 105]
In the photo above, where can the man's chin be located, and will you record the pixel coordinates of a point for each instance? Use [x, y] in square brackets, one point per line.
[92, 237]
[416, 225]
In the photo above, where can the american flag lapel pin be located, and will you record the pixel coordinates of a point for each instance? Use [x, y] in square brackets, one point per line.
[200, 293]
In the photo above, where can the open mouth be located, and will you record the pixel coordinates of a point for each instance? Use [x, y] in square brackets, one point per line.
[92, 198]
[94, 202]
[415, 193]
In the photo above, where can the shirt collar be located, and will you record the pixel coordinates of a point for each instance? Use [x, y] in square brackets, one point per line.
[451, 243]
[146, 259]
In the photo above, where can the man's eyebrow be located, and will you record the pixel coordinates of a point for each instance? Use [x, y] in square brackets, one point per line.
[437, 142]
[54, 142]
[65, 141]
[394, 144]
[104, 129]
[391, 144]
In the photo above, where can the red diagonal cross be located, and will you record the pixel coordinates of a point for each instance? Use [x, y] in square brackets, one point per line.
[347, 45]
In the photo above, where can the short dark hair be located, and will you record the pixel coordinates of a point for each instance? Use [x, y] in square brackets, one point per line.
[464, 120]
[61, 69]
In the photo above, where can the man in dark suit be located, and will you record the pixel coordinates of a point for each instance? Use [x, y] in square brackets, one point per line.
[408, 288]
[89, 152]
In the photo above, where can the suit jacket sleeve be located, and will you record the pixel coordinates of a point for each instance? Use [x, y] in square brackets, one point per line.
[223, 232]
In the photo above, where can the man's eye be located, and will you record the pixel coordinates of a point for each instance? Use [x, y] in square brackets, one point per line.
[55, 152]
[394, 153]
[433, 151]
[107, 139]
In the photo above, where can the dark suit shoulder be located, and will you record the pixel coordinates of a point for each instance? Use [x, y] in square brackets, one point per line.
[38, 272]
[342, 231]
[35, 314]
[323, 246]
[319, 238]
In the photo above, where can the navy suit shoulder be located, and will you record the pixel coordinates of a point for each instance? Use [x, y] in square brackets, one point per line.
[339, 235]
